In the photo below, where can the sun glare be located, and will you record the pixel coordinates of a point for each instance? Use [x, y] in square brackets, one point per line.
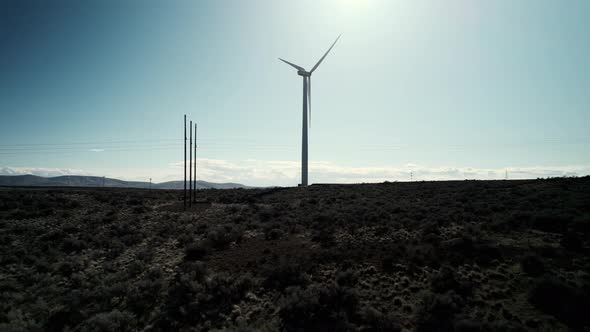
[355, 3]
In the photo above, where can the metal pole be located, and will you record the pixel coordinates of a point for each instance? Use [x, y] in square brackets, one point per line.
[190, 166]
[304, 137]
[195, 186]
[185, 161]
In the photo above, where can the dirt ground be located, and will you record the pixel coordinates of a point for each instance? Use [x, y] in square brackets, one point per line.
[419, 256]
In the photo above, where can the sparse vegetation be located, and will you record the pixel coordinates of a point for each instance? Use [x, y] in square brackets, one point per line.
[448, 256]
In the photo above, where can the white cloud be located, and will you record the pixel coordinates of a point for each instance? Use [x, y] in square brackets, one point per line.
[96, 150]
[39, 171]
[287, 173]
[281, 172]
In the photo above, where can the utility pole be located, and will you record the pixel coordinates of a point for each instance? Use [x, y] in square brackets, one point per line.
[411, 176]
[150, 183]
[195, 186]
[506, 175]
[185, 161]
[190, 166]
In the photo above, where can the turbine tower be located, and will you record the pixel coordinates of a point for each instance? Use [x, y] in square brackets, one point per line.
[306, 75]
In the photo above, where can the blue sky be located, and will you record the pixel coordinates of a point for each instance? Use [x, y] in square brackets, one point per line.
[448, 90]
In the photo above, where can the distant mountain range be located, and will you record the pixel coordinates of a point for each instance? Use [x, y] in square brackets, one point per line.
[95, 181]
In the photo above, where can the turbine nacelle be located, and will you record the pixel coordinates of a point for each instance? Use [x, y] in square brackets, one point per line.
[303, 73]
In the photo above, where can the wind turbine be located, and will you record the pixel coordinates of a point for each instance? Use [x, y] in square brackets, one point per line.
[306, 103]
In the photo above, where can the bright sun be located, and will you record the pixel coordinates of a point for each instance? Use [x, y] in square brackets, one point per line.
[353, 2]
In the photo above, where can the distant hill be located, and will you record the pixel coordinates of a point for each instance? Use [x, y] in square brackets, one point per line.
[95, 181]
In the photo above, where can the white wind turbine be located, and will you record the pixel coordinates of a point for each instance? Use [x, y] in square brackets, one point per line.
[306, 100]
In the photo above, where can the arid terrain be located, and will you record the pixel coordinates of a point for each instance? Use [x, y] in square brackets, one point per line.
[425, 256]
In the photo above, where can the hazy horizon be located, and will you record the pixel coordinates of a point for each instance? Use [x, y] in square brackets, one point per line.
[445, 91]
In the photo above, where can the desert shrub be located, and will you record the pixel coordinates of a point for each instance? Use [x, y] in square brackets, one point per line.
[437, 312]
[110, 321]
[19, 215]
[259, 325]
[146, 254]
[139, 209]
[448, 280]
[444, 281]
[325, 236]
[145, 293]
[201, 228]
[221, 237]
[375, 320]
[567, 304]
[424, 254]
[102, 197]
[532, 265]
[17, 320]
[273, 232]
[73, 204]
[132, 238]
[110, 216]
[582, 225]
[471, 325]
[116, 248]
[484, 252]
[572, 241]
[431, 238]
[71, 244]
[318, 308]
[266, 214]
[387, 264]
[134, 201]
[61, 318]
[381, 230]
[192, 299]
[196, 251]
[284, 274]
[135, 268]
[66, 268]
[348, 278]
[551, 221]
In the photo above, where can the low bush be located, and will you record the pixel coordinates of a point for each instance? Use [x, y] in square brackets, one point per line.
[325, 236]
[572, 241]
[196, 251]
[221, 237]
[284, 274]
[437, 312]
[375, 320]
[109, 321]
[273, 232]
[192, 298]
[318, 308]
[532, 265]
[554, 297]
[348, 278]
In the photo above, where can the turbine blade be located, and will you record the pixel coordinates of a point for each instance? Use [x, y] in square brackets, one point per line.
[292, 65]
[322, 59]
[309, 98]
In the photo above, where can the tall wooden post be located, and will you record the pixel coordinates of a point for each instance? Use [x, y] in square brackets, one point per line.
[195, 186]
[185, 161]
[190, 166]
